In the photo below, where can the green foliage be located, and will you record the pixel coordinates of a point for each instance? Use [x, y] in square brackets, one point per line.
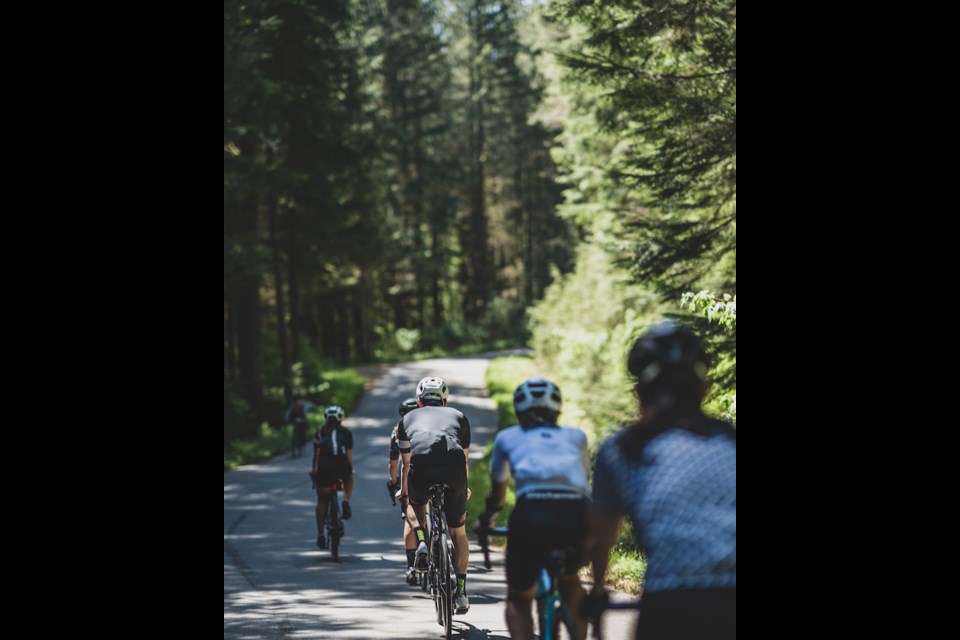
[504, 375]
[269, 442]
[480, 488]
[720, 310]
[237, 416]
[651, 135]
[581, 332]
[342, 387]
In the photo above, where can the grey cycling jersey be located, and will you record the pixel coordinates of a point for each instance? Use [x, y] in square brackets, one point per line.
[542, 458]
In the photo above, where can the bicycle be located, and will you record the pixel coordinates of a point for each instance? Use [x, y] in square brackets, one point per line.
[334, 523]
[551, 608]
[442, 576]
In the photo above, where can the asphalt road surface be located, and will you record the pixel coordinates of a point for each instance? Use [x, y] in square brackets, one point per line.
[278, 584]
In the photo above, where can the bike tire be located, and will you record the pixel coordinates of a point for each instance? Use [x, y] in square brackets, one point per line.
[435, 574]
[548, 617]
[333, 526]
[448, 584]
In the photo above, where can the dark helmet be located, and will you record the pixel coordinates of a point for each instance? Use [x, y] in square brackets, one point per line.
[537, 401]
[666, 355]
[408, 405]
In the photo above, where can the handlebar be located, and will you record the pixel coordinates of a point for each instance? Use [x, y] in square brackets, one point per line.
[483, 538]
[392, 490]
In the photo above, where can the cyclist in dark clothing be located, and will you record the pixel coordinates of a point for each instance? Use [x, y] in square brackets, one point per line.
[332, 462]
[393, 484]
[297, 416]
[674, 474]
[435, 447]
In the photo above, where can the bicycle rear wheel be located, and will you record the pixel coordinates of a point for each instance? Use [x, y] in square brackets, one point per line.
[448, 579]
[548, 617]
[334, 526]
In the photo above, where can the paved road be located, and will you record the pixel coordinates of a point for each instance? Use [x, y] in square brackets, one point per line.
[277, 584]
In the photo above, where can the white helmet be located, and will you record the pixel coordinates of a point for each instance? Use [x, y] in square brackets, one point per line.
[432, 388]
[334, 412]
[537, 393]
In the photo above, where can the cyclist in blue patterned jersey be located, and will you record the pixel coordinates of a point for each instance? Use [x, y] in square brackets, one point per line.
[550, 465]
[674, 474]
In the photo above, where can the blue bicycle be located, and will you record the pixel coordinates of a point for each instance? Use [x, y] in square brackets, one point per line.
[551, 609]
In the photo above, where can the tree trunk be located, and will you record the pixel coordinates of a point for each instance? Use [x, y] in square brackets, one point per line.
[278, 284]
[293, 264]
[230, 328]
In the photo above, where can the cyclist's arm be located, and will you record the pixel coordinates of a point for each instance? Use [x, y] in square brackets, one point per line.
[404, 472]
[403, 442]
[316, 460]
[606, 530]
[493, 504]
[392, 468]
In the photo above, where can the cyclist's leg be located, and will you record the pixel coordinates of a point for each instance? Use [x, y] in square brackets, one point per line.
[571, 591]
[410, 546]
[416, 513]
[324, 491]
[572, 537]
[523, 567]
[519, 614]
[347, 477]
[455, 507]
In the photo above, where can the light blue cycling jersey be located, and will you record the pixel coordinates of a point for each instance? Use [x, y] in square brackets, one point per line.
[542, 458]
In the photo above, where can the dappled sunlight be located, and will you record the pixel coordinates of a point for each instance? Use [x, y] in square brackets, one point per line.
[277, 583]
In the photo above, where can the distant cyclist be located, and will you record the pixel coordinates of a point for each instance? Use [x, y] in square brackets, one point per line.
[393, 485]
[550, 465]
[435, 447]
[297, 416]
[673, 473]
[332, 461]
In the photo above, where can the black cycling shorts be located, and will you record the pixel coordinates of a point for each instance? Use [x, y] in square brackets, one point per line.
[542, 521]
[330, 473]
[454, 499]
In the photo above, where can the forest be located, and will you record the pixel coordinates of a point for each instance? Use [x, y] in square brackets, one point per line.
[405, 178]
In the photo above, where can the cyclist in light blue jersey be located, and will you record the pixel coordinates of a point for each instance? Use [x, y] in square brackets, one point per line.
[549, 464]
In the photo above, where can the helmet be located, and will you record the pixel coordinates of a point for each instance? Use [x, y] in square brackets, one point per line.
[668, 354]
[537, 393]
[334, 412]
[408, 405]
[432, 388]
